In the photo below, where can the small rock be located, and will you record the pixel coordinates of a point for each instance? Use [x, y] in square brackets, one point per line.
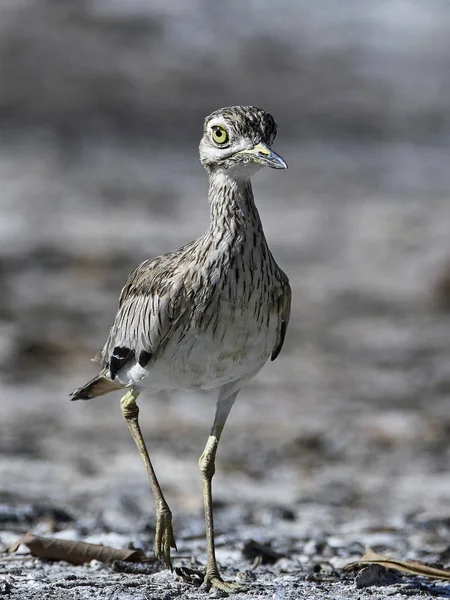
[96, 565]
[5, 586]
[252, 550]
[354, 548]
[375, 575]
[316, 547]
[147, 568]
[277, 513]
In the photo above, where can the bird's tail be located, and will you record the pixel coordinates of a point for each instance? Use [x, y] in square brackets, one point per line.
[98, 386]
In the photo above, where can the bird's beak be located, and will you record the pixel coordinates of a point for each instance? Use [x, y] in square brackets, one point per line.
[264, 155]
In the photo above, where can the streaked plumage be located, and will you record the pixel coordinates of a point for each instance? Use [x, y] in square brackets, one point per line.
[209, 315]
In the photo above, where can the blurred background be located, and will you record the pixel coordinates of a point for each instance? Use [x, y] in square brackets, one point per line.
[101, 111]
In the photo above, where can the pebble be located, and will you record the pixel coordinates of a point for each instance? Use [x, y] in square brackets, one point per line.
[96, 565]
[375, 575]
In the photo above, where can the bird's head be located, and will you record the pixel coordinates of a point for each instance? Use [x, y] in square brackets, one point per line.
[238, 139]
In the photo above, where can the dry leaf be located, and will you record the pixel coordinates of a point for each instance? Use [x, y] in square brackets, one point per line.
[411, 567]
[76, 553]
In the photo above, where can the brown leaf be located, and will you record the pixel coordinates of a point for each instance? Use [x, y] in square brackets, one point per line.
[76, 553]
[412, 567]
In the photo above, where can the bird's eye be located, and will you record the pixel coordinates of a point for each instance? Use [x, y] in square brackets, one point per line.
[220, 135]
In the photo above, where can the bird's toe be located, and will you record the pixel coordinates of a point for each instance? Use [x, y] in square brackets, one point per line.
[217, 582]
[164, 537]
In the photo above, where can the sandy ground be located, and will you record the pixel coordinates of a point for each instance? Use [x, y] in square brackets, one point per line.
[339, 444]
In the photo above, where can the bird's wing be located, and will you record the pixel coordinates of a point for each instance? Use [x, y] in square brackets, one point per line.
[151, 303]
[284, 312]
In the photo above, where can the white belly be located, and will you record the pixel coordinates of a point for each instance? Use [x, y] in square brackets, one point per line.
[203, 360]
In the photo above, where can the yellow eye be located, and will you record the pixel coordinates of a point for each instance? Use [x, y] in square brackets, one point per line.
[220, 135]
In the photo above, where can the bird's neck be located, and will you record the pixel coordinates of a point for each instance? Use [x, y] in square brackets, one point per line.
[232, 204]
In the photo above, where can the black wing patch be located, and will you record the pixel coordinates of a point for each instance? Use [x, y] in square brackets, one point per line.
[118, 358]
[144, 358]
[277, 349]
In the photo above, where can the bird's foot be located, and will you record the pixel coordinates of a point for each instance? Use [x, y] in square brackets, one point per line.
[206, 581]
[164, 538]
[215, 580]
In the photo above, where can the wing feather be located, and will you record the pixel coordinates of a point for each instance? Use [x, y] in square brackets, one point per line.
[284, 315]
[150, 305]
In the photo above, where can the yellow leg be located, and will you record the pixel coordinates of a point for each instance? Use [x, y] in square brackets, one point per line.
[207, 470]
[164, 538]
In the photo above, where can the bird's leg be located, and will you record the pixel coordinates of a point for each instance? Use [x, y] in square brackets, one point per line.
[226, 400]
[164, 538]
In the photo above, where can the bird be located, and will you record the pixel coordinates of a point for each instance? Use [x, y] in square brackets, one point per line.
[207, 316]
